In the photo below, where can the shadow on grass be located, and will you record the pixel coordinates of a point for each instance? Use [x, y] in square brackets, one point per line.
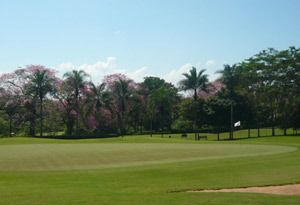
[256, 137]
[77, 137]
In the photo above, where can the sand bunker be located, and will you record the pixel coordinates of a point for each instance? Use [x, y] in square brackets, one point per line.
[290, 189]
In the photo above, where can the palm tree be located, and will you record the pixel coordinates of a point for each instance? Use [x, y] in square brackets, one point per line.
[196, 82]
[96, 98]
[96, 95]
[122, 94]
[40, 84]
[77, 81]
[230, 77]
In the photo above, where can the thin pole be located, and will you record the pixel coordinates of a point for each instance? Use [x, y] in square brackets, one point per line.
[231, 108]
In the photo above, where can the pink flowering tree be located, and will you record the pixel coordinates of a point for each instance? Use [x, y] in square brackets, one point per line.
[67, 106]
[212, 89]
[77, 81]
[18, 84]
[121, 90]
[11, 107]
[40, 84]
[52, 116]
[95, 100]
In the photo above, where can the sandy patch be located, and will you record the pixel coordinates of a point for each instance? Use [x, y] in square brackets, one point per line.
[290, 189]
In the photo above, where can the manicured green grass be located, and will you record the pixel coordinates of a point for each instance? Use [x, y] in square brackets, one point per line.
[93, 156]
[140, 169]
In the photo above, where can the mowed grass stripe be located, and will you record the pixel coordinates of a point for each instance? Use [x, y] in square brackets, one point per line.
[94, 156]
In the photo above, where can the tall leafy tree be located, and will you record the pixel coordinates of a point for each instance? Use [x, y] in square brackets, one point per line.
[12, 108]
[187, 110]
[16, 84]
[271, 77]
[148, 86]
[77, 80]
[96, 99]
[288, 78]
[40, 84]
[262, 72]
[121, 90]
[230, 76]
[153, 83]
[162, 100]
[67, 106]
[194, 81]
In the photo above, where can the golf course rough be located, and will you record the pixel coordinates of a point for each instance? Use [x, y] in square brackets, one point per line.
[43, 157]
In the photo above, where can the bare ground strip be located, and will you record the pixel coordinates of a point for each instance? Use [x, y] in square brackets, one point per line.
[290, 189]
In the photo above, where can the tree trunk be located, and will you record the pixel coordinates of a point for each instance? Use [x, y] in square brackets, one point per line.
[69, 129]
[195, 113]
[151, 126]
[122, 128]
[10, 126]
[248, 133]
[32, 128]
[162, 129]
[32, 123]
[258, 133]
[141, 126]
[70, 124]
[284, 132]
[273, 125]
[41, 120]
[77, 112]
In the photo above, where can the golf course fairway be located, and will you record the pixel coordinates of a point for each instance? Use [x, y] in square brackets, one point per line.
[94, 156]
[145, 170]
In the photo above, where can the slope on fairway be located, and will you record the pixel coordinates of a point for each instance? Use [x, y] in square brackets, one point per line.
[94, 156]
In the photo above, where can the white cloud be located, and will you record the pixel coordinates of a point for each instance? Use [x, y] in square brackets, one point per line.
[65, 67]
[138, 75]
[176, 75]
[210, 62]
[213, 77]
[97, 71]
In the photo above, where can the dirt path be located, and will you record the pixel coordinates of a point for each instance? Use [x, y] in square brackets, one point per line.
[290, 189]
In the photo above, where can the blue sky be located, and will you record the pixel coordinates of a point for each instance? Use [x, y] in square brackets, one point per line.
[140, 38]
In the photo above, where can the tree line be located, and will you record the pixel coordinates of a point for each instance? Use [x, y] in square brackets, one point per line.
[261, 91]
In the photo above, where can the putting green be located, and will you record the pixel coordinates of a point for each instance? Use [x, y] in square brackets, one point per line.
[95, 156]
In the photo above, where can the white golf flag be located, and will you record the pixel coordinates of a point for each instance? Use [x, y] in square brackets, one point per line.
[238, 123]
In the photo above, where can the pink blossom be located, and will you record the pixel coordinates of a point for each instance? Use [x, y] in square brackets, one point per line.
[73, 112]
[92, 122]
[9, 103]
[212, 90]
[110, 80]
